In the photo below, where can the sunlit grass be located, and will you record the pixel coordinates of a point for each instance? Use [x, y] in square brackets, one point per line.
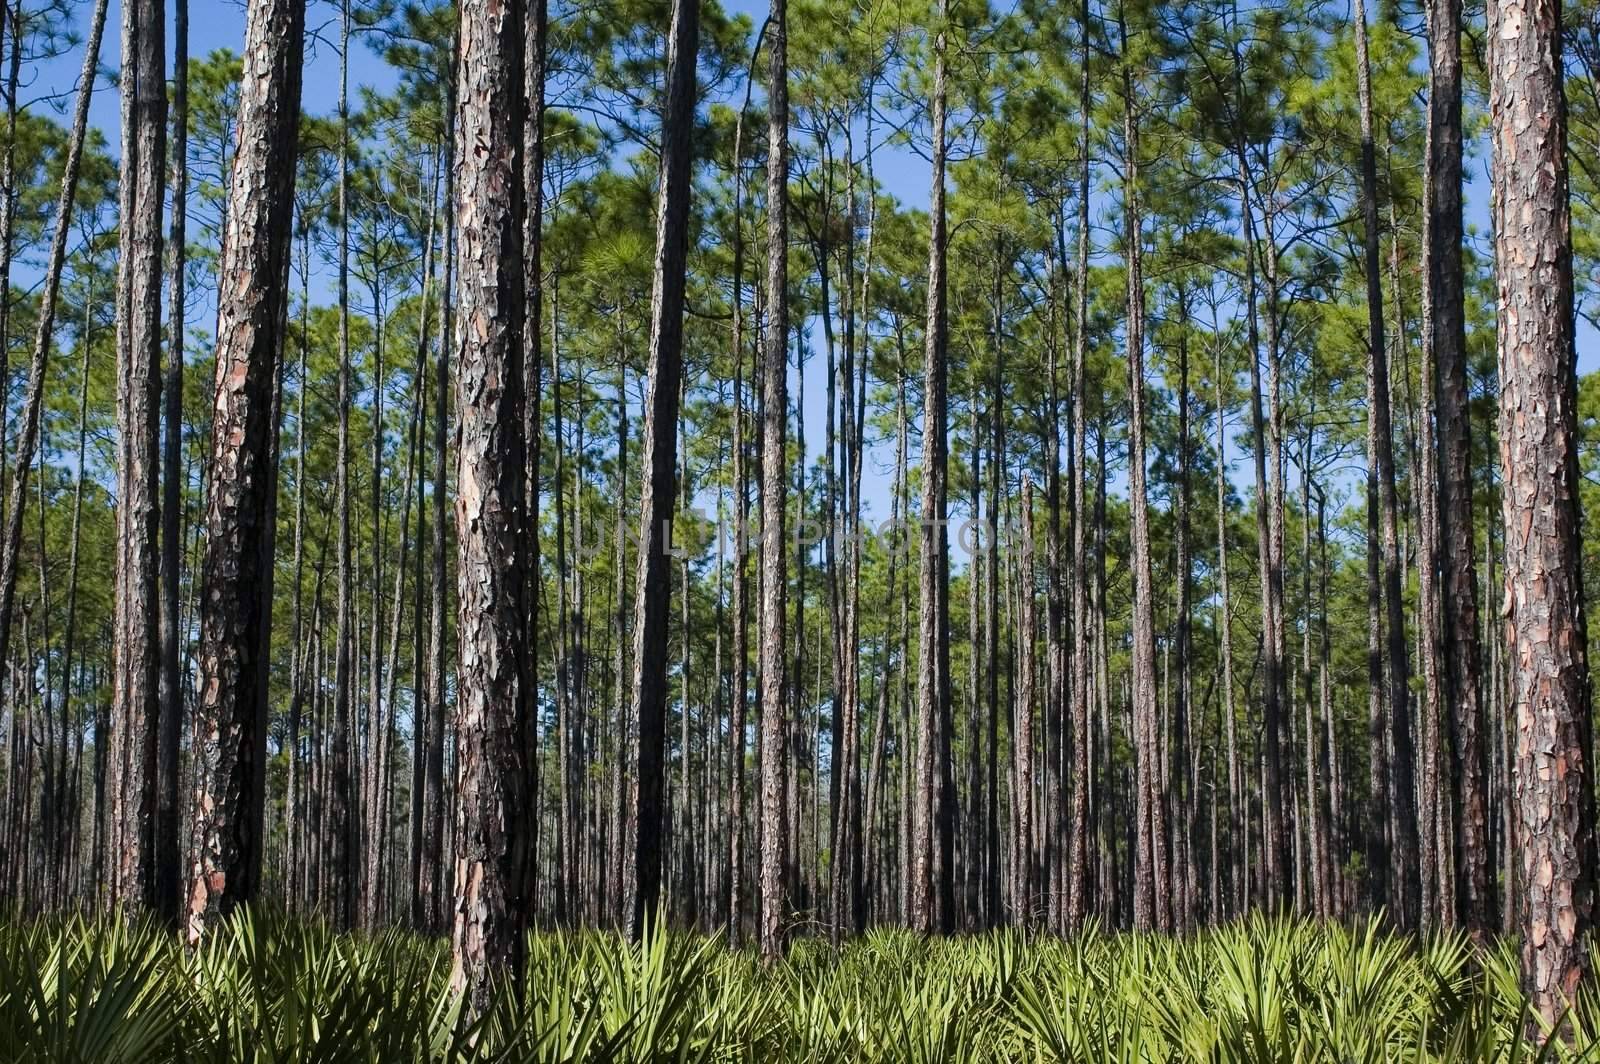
[1262, 991]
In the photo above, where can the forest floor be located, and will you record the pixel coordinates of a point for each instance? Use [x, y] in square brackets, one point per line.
[275, 990]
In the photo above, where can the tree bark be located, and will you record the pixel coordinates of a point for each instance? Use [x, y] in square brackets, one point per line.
[978, 573]
[493, 726]
[1152, 908]
[1378, 806]
[1272, 815]
[622, 846]
[11, 14]
[69, 636]
[1545, 631]
[932, 858]
[423, 710]
[989, 851]
[344, 838]
[741, 544]
[875, 782]
[533, 153]
[1184, 783]
[1332, 798]
[1236, 797]
[1052, 814]
[1446, 335]
[1438, 886]
[657, 498]
[434, 881]
[1103, 799]
[230, 722]
[1024, 859]
[169, 855]
[858, 350]
[774, 480]
[136, 711]
[1078, 878]
[374, 810]
[412, 489]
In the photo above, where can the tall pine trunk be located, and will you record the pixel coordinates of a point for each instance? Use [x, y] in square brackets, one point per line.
[69, 636]
[741, 546]
[658, 470]
[1237, 811]
[168, 855]
[1152, 907]
[1272, 811]
[533, 152]
[343, 835]
[932, 861]
[1182, 778]
[774, 481]
[493, 726]
[1078, 879]
[10, 19]
[1546, 637]
[1445, 334]
[230, 725]
[1024, 858]
[136, 710]
[434, 884]
[987, 855]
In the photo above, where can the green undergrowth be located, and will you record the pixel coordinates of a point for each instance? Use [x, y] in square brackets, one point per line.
[267, 989]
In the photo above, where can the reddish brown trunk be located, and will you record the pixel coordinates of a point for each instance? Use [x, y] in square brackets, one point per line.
[236, 599]
[1546, 637]
[136, 710]
[493, 728]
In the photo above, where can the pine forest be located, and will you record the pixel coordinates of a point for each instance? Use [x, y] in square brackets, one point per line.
[798, 530]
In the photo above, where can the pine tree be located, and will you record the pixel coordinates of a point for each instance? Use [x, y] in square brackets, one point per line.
[230, 725]
[775, 810]
[932, 858]
[493, 725]
[659, 491]
[1445, 334]
[1546, 636]
[136, 710]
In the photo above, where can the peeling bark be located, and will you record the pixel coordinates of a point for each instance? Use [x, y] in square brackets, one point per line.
[1545, 632]
[230, 724]
[135, 709]
[493, 726]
